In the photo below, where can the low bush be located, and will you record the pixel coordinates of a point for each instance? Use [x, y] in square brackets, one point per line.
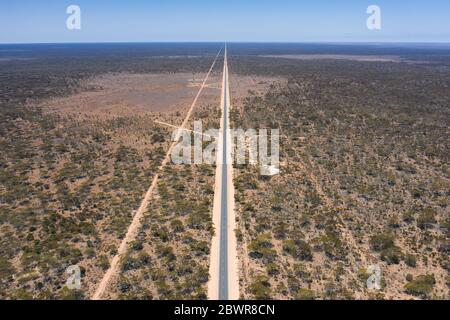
[422, 286]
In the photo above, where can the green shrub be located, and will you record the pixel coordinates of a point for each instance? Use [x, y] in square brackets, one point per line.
[427, 219]
[305, 294]
[332, 244]
[161, 233]
[410, 260]
[22, 294]
[103, 262]
[137, 245]
[382, 242]
[363, 275]
[272, 269]
[177, 225]
[202, 275]
[239, 235]
[67, 294]
[417, 193]
[409, 216]
[280, 231]
[299, 249]
[422, 286]
[6, 268]
[301, 272]
[392, 255]
[261, 247]
[260, 288]
[200, 247]
[166, 252]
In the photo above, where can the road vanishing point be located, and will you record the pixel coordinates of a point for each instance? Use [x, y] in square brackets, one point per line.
[224, 278]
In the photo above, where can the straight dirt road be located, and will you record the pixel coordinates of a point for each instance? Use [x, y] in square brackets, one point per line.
[224, 277]
[136, 222]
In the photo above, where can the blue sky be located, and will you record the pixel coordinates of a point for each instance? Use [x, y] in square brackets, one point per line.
[224, 20]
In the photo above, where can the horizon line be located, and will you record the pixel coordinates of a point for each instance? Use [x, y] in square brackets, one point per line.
[221, 42]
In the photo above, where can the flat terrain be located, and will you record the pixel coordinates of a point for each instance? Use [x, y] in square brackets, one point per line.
[362, 58]
[131, 94]
[364, 170]
[364, 181]
[171, 258]
[78, 154]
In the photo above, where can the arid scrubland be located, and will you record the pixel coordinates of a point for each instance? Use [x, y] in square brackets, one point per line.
[364, 176]
[364, 182]
[78, 152]
[170, 257]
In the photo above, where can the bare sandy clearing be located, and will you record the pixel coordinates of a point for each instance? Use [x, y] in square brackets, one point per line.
[130, 94]
[136, 222]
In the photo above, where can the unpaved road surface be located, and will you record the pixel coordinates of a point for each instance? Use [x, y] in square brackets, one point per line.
[136, 222]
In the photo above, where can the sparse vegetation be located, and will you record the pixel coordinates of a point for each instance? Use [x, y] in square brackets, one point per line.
[422, 286]
[72, 174]
[364, 178]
